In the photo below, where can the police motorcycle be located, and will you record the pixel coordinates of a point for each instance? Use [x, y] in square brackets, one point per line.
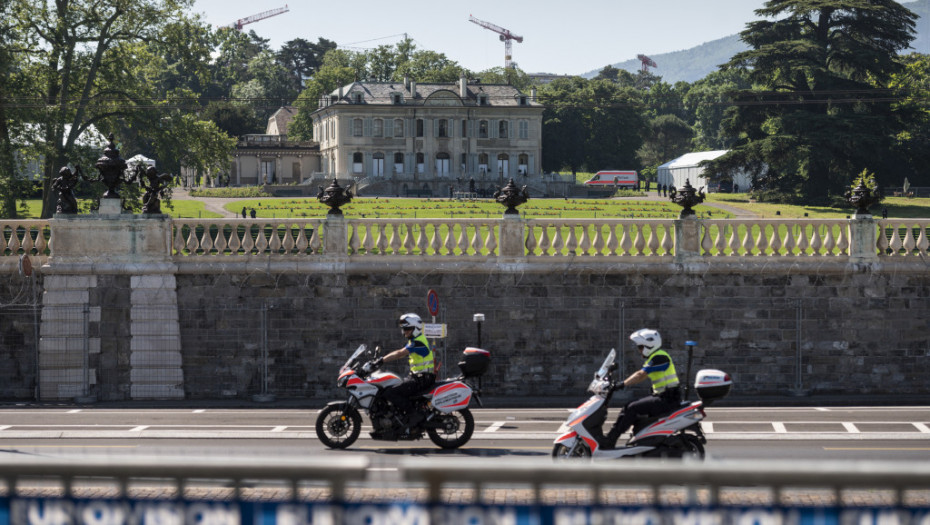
[446, 418]
[673, 435]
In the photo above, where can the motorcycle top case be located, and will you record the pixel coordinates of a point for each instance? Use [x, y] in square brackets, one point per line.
[475, 363]
[712, 385]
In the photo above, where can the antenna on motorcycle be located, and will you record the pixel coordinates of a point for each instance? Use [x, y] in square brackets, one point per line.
[690, 345]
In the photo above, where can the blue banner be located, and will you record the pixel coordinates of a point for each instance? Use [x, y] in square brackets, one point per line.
[49, 511]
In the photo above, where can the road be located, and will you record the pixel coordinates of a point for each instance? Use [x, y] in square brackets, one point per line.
[885, 433]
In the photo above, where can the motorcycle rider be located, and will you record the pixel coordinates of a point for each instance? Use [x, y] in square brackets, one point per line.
[658, 368]
[422, 375]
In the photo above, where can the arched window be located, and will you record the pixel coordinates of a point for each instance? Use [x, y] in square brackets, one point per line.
[482, 129]
[503, 165]
[482, 163]
[523, 164]
[398, 162]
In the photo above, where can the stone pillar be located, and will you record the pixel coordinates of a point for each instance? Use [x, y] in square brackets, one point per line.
[511, 235]
[89, 254]
[862, 239]
[335, 237]
[688, 239]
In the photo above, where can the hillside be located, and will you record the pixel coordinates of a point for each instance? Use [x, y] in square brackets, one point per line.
[695, 63]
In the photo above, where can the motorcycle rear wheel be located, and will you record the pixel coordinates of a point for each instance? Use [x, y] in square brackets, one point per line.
[693, 448]
[338, 426]
[454, 431]
[560, 451]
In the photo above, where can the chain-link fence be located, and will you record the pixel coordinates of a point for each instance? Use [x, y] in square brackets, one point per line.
[769, 345]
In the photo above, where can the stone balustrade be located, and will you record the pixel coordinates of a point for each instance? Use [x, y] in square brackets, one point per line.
[529, 238]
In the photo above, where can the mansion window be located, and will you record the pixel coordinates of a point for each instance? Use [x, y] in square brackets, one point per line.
[483, 163]
[523, 162]
[357, 127]
[503, 129]
[524, 128]
[398, 162]
[358, 165]
[398, 127]
[421, 160]
[442, 163]
[377, 128]
[419, 127]
[483, 129]
[377, 165]
[443, 128]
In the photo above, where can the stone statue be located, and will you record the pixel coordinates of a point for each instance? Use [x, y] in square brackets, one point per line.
[64, 184]
[156, 186]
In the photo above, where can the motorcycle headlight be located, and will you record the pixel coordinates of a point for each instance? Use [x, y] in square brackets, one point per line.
[342, 381]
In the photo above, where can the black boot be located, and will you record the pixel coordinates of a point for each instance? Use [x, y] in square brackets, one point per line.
[610, 441]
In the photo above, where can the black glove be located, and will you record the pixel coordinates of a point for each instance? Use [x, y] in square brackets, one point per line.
[619, 386]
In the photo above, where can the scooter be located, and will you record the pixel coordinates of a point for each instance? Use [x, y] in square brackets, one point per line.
[446, 418]
[677, 434]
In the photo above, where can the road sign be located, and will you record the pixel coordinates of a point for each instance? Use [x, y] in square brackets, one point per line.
[434, 330]
[432, 302]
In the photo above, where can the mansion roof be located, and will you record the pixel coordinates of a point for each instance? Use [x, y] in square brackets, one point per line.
[408, 93]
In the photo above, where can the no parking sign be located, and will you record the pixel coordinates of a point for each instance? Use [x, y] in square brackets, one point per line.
[432, 302]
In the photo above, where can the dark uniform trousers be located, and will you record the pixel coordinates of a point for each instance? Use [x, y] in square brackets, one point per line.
[412, 385]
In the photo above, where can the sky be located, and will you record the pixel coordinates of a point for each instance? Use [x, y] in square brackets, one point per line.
[559, 37]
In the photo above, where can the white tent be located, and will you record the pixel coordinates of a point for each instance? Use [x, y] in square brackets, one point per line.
[140, 159]
[676, 172]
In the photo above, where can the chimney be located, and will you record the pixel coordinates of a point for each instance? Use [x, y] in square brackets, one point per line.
[533, 94]
[407, 82]
[413, 90]
[340, 93]
[463, 87]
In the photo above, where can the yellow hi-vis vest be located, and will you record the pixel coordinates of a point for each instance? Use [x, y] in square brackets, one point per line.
[420, 364]
[664, 379]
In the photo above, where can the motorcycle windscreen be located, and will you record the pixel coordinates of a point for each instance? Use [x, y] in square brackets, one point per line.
[605, 366]
[358, 351]
[451, 396]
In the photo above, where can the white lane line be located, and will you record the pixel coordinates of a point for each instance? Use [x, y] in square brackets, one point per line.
[779, 428]
[278, 429]
[200, 411]
[75, 411]
[139, 428]
[851, 428]
[920, 426]
[822, 409]
[4, 427]
[708, 428]
[494, 426]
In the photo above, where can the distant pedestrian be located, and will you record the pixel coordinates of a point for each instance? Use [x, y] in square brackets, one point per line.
[884, 213]
[243, 212]
[252, 213]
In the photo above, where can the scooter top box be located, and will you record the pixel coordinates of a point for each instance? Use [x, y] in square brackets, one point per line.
[712, 385]
[475, 363]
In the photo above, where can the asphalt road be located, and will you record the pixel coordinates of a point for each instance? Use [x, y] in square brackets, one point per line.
[874, 433]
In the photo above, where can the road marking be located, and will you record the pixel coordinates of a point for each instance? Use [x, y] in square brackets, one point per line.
[851, 428]
[278, 429]
[921, 427]
[885, 449]
[75, 411]
[139, 428]
[494, 427]
[708, 428]
[200, 411]
[822, 409]
[779, 428]
[4, 427]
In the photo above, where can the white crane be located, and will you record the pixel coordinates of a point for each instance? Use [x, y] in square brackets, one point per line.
[505, 35]
[255, 18]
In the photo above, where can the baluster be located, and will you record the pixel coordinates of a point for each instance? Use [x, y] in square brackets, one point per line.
[611, 240]
[775, 240]
[315, 241]
[408, 239]
[667, 243]
[748, 245]
[734, 240]
[14, 243]
[28, 244]
[422, 244]
[476, 240]
[789, 239]
[274, 244]
[395, 239]
[625, 243]
[881, 240]
[909, 242]
[235, 243]
[302, 242]
[843, 244]
[435, 241]
[922, 242]
[288, 243]
[585, 240]
[802, 239]
[261, 243]
[571, 244]
[720, 243]
[192, 242]
[206, 240]
[354, 241]
[41, 242]
[544, 242]
[761, 243]
[639, 242]
[896, 243]
[219, 242]
[828, 241]
[816, 240]
[653, 242]
[598, 243]
[369, 237]
[463, 239]
[707, 244]
[491, 241]
[557, 242]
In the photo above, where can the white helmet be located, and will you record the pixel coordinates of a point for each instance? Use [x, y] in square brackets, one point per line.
[647, 340]
[411, 321]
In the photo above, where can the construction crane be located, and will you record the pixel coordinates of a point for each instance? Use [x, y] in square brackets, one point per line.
[505, 35]
[237, 25]
[647, 62]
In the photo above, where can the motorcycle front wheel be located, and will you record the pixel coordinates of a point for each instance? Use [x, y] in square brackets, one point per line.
[560, 451]
[338, 426]
[454, 429]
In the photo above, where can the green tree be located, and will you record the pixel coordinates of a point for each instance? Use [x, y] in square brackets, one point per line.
[75, 70]
[707, 100]
[563, 125]
[302, 58]
[819, 114]
[667, 137]
[911, 153]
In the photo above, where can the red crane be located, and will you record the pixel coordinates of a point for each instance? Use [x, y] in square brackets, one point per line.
[255, 18]
[647, 62]
[505, 35]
